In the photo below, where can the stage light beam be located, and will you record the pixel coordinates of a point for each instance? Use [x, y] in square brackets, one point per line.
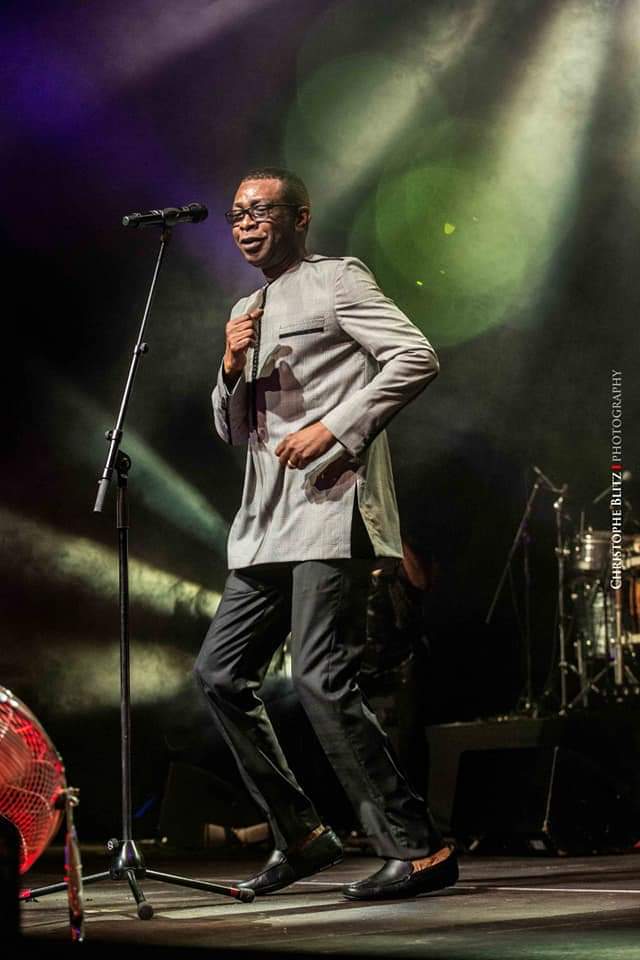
[352, 111]
[45, 555]
[78, 424]
[483, 228]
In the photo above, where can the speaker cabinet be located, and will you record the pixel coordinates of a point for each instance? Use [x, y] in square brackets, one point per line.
[537, 799]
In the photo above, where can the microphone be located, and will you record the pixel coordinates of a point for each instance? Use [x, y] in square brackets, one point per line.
[548, 483]
[169, 217]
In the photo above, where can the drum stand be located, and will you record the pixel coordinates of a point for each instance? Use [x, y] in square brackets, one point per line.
[621, 671]
[561, 552]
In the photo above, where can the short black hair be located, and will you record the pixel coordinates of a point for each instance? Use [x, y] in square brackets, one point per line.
[294, 190]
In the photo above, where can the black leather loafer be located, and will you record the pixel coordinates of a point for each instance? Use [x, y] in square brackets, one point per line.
[282, 868]
[399, 878]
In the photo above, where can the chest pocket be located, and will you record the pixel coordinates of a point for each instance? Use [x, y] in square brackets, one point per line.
[302, 328]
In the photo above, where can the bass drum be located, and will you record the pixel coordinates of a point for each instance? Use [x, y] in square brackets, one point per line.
[595, 613]
[594, 618]
[631, 605]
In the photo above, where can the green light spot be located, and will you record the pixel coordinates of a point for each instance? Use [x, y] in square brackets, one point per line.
[419, 283]
[399, 229]
[449, 228]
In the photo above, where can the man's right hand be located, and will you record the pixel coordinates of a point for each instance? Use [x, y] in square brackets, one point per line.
[240, 334]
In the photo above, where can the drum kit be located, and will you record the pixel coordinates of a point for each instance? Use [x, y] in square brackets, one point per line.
[598, 606]
[606, 615]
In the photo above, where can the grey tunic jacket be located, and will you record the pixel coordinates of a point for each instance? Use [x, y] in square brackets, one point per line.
[331, 347]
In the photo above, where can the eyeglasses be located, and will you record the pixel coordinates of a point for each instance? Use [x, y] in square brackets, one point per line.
[259, 212]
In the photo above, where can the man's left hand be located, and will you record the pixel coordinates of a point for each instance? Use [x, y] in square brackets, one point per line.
[300, 448]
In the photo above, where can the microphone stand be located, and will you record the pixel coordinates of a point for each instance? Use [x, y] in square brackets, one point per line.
[520, 535]
[528, 707]
[127, 862]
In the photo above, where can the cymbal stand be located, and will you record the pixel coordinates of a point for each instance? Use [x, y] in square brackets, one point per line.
[562, 552]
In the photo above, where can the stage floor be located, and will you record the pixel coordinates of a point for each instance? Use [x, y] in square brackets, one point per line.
[502, 907]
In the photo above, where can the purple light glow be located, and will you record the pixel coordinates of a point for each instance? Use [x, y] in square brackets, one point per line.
[70, 61]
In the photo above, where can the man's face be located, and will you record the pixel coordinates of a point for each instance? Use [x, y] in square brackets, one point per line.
[270, 242]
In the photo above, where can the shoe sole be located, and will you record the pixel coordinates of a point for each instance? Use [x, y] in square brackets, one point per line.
[312, 873]
[397, 893]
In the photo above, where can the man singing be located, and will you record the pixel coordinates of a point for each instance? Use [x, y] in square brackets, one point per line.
[317, 361]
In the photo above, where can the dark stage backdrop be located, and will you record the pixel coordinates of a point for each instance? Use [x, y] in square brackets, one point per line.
[481, 156]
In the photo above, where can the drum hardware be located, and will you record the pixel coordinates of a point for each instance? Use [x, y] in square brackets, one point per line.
[561, 552]
[618, 663]
[608, 619]
[590, 551]
[597, 639]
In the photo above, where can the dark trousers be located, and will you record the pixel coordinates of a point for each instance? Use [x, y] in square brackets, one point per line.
[323, 602]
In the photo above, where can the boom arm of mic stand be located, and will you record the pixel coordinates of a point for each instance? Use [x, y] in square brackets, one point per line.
[115, 435]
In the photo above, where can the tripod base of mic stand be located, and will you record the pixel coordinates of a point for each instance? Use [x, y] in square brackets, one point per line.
[128, 864]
